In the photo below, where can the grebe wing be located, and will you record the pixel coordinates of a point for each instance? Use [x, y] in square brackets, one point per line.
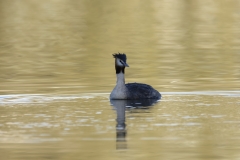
[142, 91]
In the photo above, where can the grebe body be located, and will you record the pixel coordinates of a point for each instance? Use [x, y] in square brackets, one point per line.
[130, 90]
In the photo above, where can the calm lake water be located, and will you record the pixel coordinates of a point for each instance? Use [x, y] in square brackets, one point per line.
[57, 71]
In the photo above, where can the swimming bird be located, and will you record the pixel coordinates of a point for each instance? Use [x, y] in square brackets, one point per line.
[130, 90]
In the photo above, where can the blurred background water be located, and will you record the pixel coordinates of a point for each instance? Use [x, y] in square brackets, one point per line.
[57, 70]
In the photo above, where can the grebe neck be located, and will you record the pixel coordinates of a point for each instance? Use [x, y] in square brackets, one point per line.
[120, 79]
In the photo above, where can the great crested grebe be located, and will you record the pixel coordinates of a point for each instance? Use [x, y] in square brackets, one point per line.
[130, 90]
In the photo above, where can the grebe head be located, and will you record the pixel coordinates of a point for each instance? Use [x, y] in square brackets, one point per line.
[120, 62]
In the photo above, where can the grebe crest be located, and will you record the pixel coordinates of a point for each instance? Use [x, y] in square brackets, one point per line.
[130, 90]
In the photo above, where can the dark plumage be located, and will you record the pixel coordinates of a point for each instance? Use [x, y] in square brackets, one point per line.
[123, 56]
[141, 91]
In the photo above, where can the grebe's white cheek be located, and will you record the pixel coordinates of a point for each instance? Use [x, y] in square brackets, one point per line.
[119, 63]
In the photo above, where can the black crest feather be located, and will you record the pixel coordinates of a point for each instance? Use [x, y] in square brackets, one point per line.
[121, 56]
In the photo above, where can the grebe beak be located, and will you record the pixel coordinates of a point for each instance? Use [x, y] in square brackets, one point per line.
[126, 65]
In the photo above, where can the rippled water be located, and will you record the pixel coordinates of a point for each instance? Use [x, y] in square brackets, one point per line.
[187, 125]
[57, 70]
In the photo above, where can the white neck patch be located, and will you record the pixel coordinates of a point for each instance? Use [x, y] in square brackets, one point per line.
[120, 79]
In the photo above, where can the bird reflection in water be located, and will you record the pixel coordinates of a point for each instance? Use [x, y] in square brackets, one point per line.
[120, 106]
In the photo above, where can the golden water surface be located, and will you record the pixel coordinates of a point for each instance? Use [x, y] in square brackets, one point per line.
[57, 70]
